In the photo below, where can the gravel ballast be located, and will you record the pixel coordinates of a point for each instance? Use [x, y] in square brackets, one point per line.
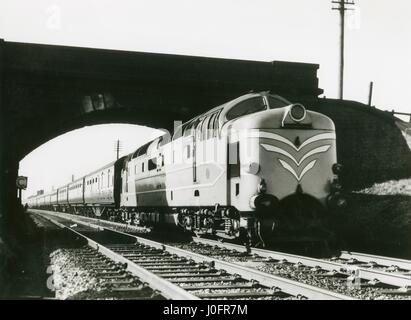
[303, 274]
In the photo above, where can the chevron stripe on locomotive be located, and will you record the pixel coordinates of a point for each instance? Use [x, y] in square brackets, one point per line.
[254, 167]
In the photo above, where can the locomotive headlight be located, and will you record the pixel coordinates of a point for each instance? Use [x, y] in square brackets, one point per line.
[263, 201]
[298, 112]
[337, 168]
[262, 187]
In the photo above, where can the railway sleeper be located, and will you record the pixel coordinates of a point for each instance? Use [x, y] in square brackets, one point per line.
[161, 261]
[193, 271]
[197, 274]
[404, 291]
[113, 275]
[136, 249]
[252, 294]
[227, 286]
[142, 255]
[134, 281]
[176, 267]
[206, 280]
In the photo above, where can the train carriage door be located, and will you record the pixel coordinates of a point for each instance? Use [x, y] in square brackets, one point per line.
[196, 137]
[193, 152]
[246, 107]
[188, 145]
[233, 169]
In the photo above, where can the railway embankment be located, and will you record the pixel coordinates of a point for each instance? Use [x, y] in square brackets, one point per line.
[378, 220]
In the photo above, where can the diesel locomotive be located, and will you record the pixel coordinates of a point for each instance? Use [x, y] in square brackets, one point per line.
[255, 167]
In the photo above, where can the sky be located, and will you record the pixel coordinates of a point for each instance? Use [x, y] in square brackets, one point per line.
[378, 39]
[78, 153]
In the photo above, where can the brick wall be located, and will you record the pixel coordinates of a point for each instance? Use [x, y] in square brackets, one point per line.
[370, 145]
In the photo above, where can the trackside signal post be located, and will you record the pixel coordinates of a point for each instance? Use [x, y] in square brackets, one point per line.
[21, 184]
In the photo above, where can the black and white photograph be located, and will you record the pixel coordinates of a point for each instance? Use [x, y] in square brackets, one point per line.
[229, 152]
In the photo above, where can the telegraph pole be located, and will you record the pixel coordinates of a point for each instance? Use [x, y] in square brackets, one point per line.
[370, 93]
[118, 148]
[342, 6]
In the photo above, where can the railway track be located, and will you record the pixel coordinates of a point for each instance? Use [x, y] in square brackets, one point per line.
[365, 276]
[116, 281]
[363, 270]
[123, 265]
[180, 274]
[368, 260]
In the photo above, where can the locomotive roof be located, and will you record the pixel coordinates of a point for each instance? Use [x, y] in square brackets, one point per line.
[224, 108]
[233, 102]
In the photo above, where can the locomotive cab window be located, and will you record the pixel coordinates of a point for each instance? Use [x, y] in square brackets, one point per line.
[277, 102]
[246, 107]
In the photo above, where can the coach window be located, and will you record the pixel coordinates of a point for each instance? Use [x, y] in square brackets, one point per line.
[210, 127]
[216, 124]
[204, 127]
[246, 107]
[197, 128]
[234, 159]
[183, 129]
[188, 152]
[143, 149]
[188, 129]
[152, 164]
